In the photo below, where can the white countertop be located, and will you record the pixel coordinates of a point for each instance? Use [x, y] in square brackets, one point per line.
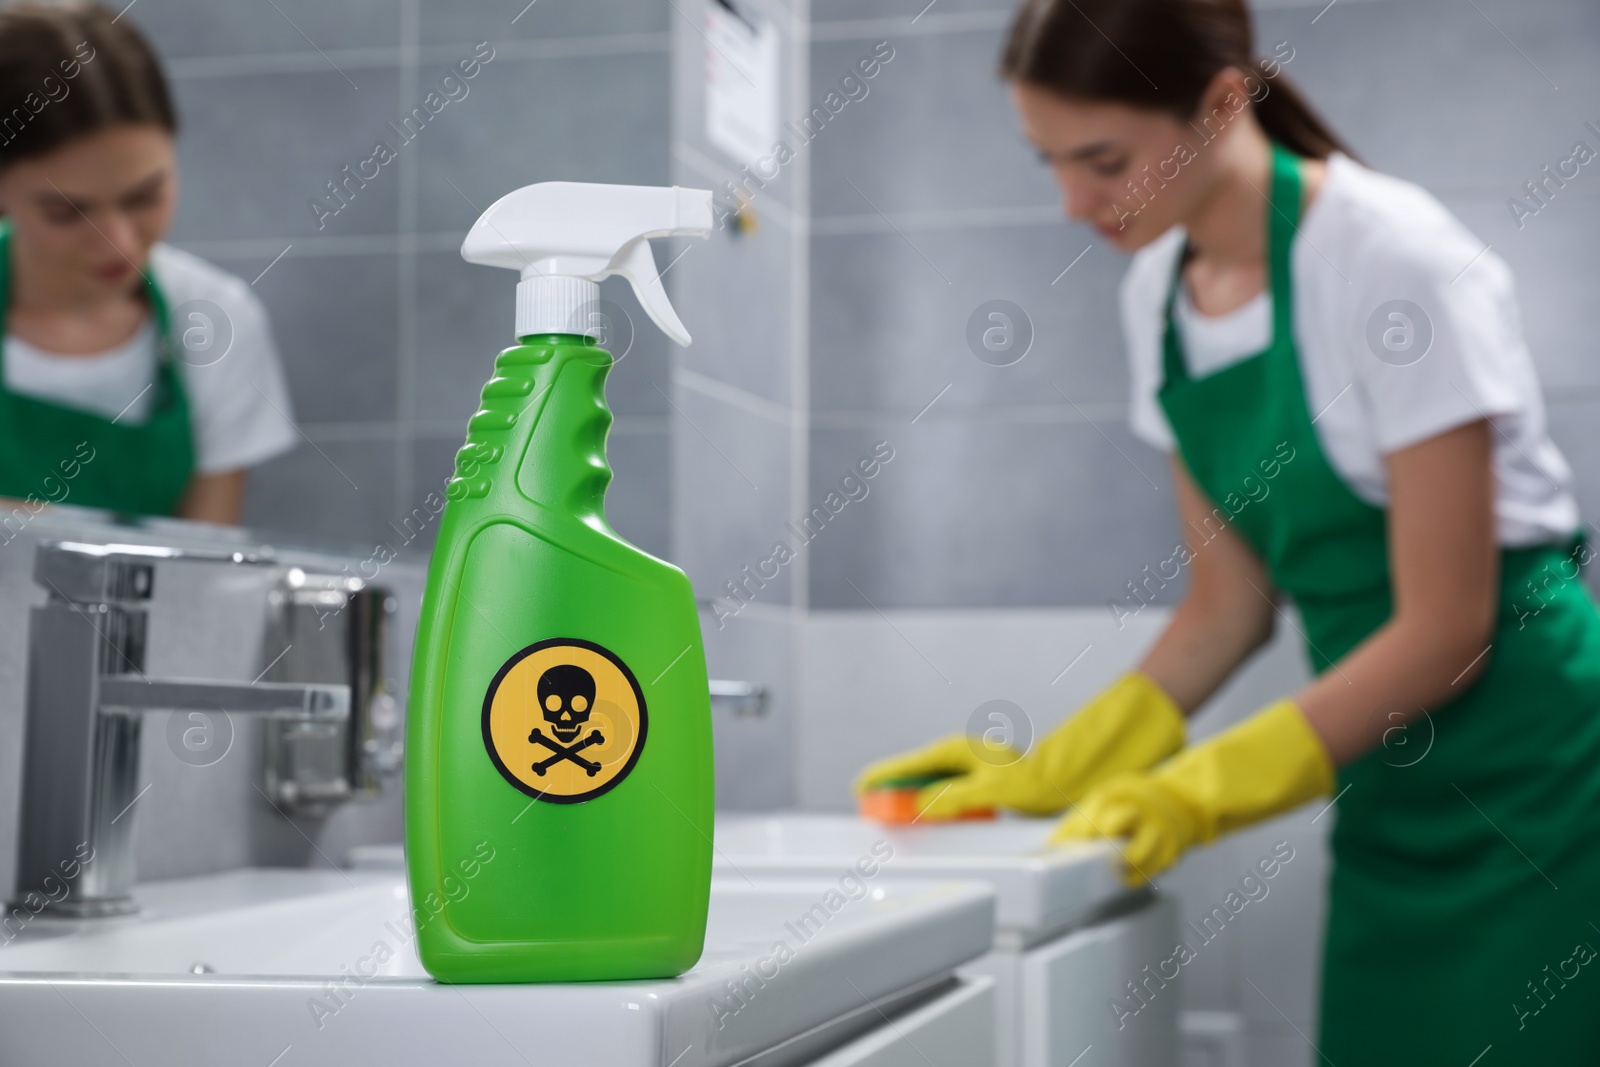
[1040, 887]
[118, 990]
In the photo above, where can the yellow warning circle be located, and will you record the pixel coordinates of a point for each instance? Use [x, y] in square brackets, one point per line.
[564, 720]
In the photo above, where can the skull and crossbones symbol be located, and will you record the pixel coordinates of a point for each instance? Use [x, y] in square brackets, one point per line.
[566, 694]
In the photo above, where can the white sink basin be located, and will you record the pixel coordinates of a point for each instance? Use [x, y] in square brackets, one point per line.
[1041, 888]
[314, 967]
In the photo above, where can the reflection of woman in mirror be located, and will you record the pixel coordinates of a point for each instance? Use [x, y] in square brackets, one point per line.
[133, 376]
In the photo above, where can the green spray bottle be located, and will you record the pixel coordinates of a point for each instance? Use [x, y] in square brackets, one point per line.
[558, 740]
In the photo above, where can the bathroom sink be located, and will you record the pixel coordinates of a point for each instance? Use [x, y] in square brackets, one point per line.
[290, 967]
[1041, 888]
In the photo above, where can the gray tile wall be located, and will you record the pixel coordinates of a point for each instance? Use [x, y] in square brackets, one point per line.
[738, 415]
[1014, 485]
[386, 334]
[1021, 484]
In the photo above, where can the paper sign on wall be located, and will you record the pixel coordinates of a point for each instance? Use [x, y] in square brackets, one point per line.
[741, 81]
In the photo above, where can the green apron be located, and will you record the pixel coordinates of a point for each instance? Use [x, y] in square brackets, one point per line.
[52, 453]
[1466, 855]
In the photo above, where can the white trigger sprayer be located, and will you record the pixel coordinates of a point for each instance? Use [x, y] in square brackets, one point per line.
[564, 237]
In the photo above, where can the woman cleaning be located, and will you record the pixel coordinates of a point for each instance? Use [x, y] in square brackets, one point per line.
[133, 376]
[1336, 368]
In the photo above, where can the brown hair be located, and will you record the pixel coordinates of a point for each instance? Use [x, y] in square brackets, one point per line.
[1158, 54]
[67, 70]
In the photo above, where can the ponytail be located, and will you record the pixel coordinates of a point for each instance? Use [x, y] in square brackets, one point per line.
[1288, 118]
[1157, 54]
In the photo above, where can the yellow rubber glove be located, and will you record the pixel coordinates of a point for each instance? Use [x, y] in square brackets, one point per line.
[1130, 726]
[1268, 764]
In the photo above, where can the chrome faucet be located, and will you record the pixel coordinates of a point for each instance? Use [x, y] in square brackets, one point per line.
[327, 627]
[87, 692]
[747, 700]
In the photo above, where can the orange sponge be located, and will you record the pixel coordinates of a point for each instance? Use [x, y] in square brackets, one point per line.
[894, 802]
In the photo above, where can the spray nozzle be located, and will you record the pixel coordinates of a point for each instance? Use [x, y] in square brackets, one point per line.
[564, 237]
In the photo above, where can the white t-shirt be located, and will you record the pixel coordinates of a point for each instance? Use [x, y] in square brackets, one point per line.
[239, 411]
[1379, 266]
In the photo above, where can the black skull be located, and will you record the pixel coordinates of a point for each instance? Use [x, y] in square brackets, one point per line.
[566, 693]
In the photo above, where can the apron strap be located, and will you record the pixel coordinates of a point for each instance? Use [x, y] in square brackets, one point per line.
[1173, 367]
[1283, 222]
[5, 292]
